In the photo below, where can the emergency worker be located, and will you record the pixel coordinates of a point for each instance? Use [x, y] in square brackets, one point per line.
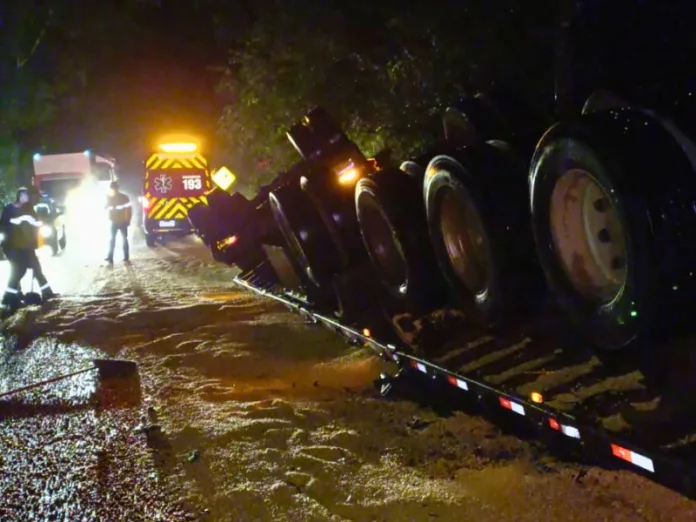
[34, 263]
[120, 215]
[20, 226]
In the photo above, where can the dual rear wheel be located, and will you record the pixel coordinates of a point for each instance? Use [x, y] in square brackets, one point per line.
[609, 196]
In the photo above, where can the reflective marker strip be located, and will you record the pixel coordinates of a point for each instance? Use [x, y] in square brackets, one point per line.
[510, 405]
[25, 219]
[462, 385]
[119, 207]
[419, 366]
[633, 458]
[568, 431]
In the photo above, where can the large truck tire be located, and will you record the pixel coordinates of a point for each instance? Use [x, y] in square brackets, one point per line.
[603, 100]
[478, 216]
[394, 231]
[472, 120]
[512, 118]
[309, 246]
[316, 130]
[494, 115]
[612, 200]
[334, 203]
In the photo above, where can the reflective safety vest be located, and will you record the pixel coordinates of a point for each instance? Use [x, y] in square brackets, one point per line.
[120, 209]
[21, 227]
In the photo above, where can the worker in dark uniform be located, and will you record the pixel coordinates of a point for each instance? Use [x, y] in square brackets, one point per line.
[34, 263]
[120, 215]
[20, 226]
[13, 295]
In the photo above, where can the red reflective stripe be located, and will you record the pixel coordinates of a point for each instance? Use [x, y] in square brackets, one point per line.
[622, 453]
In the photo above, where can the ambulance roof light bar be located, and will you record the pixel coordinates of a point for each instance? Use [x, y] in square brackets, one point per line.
[179, 146]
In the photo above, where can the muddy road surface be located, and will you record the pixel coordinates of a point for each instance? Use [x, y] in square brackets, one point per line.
[241, 411]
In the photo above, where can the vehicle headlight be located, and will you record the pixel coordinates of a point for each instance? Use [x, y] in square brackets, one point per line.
[46, 231]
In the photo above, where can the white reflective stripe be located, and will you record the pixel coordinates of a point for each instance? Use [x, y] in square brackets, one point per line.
[570, 431]
[634, 458]
[45, 287]
[462, 385]
[511, 405]
[11, 291]
[26, 219]
[119, 207]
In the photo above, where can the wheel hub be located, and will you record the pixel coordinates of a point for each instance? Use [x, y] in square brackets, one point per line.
[589, 236]
[465, 241]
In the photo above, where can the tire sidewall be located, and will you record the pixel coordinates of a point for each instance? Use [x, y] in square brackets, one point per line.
[292, 208]
[618, 322]
[367, 193]
[445, 173]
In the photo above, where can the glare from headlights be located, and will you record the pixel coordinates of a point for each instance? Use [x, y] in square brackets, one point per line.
[46, 231]
[86, 217]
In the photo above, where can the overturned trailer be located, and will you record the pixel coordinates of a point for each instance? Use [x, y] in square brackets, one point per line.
[547, 281]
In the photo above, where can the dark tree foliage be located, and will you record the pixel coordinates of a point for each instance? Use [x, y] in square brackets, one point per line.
[118, 71]
[385, 69]
[50, 54]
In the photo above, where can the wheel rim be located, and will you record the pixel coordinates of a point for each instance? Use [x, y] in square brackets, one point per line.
[465, 241]
[383, 246]
[589, 236]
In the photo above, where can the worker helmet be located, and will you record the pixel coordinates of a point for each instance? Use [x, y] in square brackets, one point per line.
[20, 191]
